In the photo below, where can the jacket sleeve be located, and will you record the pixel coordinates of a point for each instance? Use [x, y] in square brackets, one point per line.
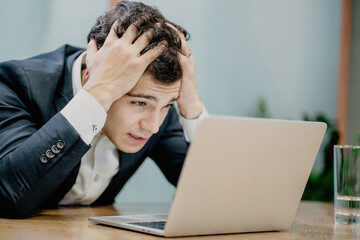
[170, 150]
[35, 158]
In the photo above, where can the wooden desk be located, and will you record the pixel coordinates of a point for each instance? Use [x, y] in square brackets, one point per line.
[314, 220]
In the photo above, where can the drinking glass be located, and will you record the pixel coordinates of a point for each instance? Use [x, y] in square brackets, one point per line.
[347, 184]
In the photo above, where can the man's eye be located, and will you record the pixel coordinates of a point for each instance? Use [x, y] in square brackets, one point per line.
[169, 105]
[140, 104]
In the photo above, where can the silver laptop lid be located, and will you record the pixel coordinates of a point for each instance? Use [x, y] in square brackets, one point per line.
[244, 175]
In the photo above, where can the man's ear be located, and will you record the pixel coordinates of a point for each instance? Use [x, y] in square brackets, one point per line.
[85, 77]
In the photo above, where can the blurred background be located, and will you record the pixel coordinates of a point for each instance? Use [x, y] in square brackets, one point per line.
[288, 59]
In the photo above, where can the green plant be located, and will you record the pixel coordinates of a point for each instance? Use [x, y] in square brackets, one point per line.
[262, 109]
[320, 186]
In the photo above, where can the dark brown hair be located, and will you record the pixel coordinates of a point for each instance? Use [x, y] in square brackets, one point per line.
[166, 68]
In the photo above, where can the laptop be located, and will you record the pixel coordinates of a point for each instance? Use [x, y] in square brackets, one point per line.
[240, 175]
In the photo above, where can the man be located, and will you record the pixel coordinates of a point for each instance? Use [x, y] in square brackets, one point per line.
[75, 124]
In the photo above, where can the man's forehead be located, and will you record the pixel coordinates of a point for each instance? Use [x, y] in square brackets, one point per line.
[150, 88]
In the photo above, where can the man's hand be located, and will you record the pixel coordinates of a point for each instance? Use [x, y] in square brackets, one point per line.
[117, 66]
[189, 103]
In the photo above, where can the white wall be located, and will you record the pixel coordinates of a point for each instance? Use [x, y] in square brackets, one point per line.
[37, 26]
[285, 51]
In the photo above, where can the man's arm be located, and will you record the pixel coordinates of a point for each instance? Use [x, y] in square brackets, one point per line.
[33, 161]
[190, 125]
[189, 103]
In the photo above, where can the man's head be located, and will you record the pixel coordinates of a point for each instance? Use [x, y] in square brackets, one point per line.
[166, 68]
[137, 115]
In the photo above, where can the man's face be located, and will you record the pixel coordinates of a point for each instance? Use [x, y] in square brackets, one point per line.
[136, 116]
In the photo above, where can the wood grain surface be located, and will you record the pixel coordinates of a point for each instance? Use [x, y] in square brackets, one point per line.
[314, 220]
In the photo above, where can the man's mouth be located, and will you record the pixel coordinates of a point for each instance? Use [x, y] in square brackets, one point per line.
[137, 139]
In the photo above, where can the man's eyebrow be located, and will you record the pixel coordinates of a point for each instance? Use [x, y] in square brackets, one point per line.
[143, 96]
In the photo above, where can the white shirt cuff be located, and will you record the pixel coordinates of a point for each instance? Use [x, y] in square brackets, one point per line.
[190, 125]
[85, 114]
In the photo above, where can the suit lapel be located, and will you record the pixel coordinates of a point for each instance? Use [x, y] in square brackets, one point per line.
[65, 92]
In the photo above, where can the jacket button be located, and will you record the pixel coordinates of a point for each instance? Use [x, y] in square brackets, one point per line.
[60, 144]
[49, 154]
[44, 158]
[55, 149]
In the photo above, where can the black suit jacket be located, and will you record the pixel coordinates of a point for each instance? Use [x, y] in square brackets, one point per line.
[32, 92]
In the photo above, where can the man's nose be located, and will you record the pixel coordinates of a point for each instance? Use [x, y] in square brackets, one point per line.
[151, 122]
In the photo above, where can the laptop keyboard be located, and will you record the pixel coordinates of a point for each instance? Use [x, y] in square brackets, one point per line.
[157, 225]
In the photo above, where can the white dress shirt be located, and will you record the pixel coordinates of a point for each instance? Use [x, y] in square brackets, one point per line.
[101, 162]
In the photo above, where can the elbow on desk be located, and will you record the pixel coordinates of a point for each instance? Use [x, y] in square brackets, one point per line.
[13, 211]
[11, 207]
